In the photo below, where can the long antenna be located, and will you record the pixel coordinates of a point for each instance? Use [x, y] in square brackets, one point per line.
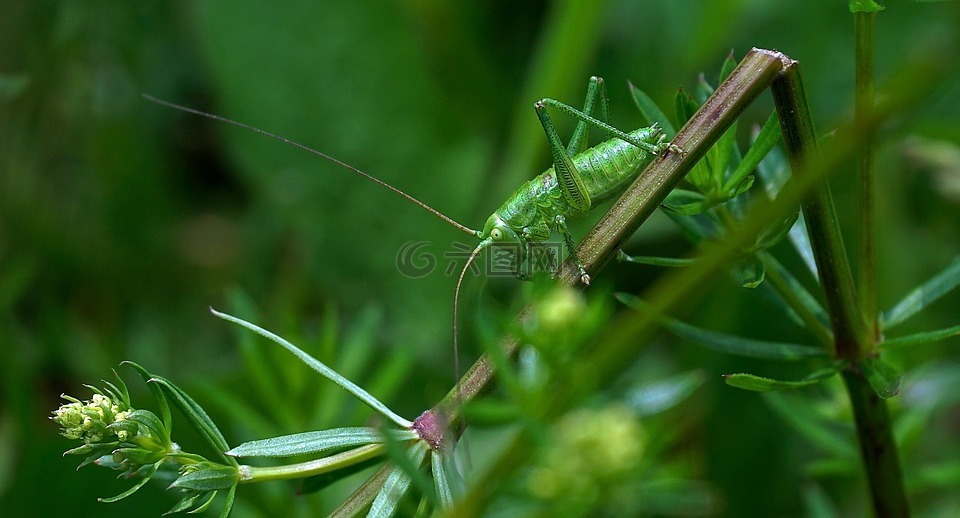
[456, 301]
[325, 156]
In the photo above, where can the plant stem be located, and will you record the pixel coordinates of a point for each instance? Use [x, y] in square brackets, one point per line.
[800, 139]
[877, 445]
[881, 461]
[312, 467]
[864, 24]
[793, 299]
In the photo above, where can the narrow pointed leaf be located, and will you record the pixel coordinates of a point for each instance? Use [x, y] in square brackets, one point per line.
[197, 417]
[720, 156]
[884, 378]
[651, 111]
[704, 89]
[727, 68]
[320, 367]
[209, 477]
[315, 442]
[654, 261]
[444, 494]
[185, 503]
[728, 343]
[158, 395]
[685, 106]
[686, 203]
[135, 488]
[808, 301]
[800, 239]
[919, 298]
[396, 486]
[925, 338]
[767, 138]
[228, 503]
[762, 384]
[206, 505]
[363, 495]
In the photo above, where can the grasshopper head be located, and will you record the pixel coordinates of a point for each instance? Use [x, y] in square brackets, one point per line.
[497, 231]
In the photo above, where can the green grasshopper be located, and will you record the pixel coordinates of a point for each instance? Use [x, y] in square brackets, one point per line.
[579, 180]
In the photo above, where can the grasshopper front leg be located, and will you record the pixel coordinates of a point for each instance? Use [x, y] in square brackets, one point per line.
[561, 223]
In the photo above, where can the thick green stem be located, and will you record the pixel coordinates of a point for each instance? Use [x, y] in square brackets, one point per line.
[312, 467]
[852, 340]
[863, 29]
[881, 461]
[800, 139]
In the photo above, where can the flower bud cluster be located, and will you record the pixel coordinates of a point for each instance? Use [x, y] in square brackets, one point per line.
[90, 420]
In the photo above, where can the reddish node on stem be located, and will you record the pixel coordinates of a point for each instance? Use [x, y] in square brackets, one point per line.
[431, 428]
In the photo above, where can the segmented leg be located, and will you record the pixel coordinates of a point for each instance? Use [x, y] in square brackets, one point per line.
[596, 90]
[573, 112]
[568, 178]
[568, 239]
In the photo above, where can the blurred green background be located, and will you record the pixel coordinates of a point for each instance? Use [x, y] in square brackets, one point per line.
[121, 221]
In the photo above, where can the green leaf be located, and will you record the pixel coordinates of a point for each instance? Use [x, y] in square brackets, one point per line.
[718, 158]
[924, 338]
[741, 187]
[197, 417]
[396, 485]
[149, 421]
[651, 111]
[659, 396]
[750, 271]
[728, 343]
[808, 301]
[158, 395]
[772, 234]
[727, 68]
[767, 138]
[361, 498]
[686, 203]
[146, 478]
[315, 442]
[320, 367]
[685, 106]
[654, 261]
[864, 6]
[228, 503]
[884, 378]
[927, 293]
[444, 494]
[762, 384]
[704, 89]
[207, 477]
[205, 505]
[185, 503]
